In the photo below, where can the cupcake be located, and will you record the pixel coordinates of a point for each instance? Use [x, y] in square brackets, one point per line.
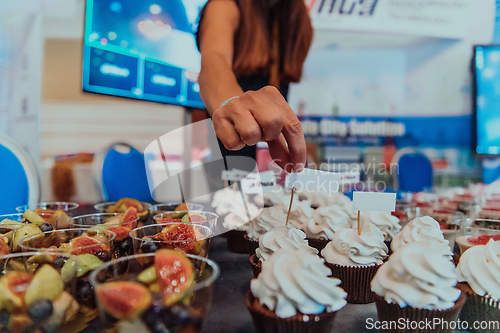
[355, 259]
[325, 222]
[421, 229]
[271, 198]
[269, 218]
[225, 200]
[277, 238]
[294, 293]
[479, 275]
[237, 222]
[388, 224]
[417, 284]
[300, 214]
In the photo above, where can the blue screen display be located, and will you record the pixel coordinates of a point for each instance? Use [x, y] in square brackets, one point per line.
[143, 50]
[487, 67]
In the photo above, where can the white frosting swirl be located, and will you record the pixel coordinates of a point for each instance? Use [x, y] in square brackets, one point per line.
[421, 229]
[282, 238]
[388, 224]
[269, 218]
[301, 211]
[347, 248]
[320, 199]
[226, 200]
[271, 198]
[479, 266]
[326, 221]
[297, 281]
[239, 219]
[419, 276]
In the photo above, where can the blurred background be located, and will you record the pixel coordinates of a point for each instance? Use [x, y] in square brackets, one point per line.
[381, 80]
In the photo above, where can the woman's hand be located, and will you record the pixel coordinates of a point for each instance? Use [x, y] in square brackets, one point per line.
[262, 115]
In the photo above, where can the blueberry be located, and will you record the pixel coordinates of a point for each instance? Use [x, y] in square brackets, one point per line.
[176, 315]
[59, 262]
[103, 255]
[151, 316]
[40, 310]
[125, 246]
[4, 318]
[83, 290]
[46, 227]
[149, 246]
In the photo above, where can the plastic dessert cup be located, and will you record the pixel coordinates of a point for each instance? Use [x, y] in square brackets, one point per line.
[472, 236]
[58, 219]
[90, 248]
[112, 222]
[145, 306]
[199, 217]
[171, 207]
[189, 238]
[67, 207]
[56, 213]
[143, 208]
[34, 296]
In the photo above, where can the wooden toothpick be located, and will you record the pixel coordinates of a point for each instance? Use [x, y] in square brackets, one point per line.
[290, 207]
[359, 223]
[226, 183]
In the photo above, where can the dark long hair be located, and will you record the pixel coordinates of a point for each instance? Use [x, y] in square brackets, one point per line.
[254, 38]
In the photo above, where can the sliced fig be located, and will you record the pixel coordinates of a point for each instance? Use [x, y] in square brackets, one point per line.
[124, 299]
[85, 244]
[178, 236]
[121, 232]
[193, 218]
[129, 218]
[175, 273]
[13, 286]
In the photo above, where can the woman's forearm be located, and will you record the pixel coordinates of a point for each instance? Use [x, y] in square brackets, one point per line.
[217, 81]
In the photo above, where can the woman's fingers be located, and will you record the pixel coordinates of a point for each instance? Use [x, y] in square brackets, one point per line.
[262, 115]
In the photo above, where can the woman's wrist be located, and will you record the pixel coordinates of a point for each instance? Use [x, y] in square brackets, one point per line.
[228, 100]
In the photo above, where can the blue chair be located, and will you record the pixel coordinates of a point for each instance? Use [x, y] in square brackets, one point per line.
[414, 172]
[19, 180]
[121, 173]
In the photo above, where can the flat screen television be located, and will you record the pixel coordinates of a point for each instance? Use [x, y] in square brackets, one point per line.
[143, 49]
[486, 99]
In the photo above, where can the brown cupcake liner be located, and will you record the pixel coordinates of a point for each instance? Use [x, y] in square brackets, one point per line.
[356, 281]
[236, 241]
[266, 321]
[390, 312]
[256, 264]
[388, 244]
[252, 245]
[479, 308]
[318, 244]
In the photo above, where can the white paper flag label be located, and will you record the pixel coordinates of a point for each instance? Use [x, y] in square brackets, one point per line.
[255, 186]
[234, 174]
[374, 201]
[314, 180]
[350, 177]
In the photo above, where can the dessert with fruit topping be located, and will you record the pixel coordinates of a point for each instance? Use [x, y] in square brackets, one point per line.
[168, 292]
[123, 205]
[186, 237]
[34, 297]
